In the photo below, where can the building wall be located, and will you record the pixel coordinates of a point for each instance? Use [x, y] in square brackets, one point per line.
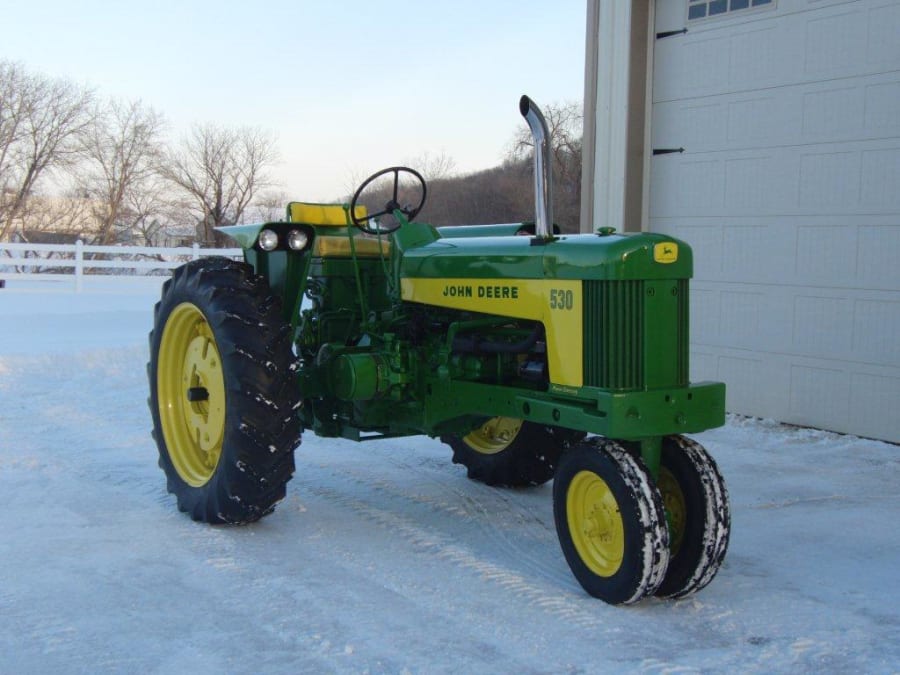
[788, 189]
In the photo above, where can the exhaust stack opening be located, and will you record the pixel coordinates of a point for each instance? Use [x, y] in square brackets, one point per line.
[543, 171]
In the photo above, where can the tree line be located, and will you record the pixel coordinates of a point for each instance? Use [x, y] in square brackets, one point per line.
[114, 176]
[505, 193]
[71, 161]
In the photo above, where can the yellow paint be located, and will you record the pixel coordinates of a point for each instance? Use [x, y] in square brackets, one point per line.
[494, 436]
[665, 252]
[555, 303]
[328, 246]
[321, 214]
[595, 523]
[189, 358]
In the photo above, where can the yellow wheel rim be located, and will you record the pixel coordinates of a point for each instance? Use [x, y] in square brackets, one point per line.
[190, 390]
[595, 523]
[676, 510]
[494, 436]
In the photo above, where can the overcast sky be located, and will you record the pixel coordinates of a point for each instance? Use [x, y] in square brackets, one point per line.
[348, 87]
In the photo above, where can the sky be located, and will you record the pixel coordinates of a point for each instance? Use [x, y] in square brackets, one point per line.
[348, 87]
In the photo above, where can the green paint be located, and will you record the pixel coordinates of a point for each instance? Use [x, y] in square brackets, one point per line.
[371, 364]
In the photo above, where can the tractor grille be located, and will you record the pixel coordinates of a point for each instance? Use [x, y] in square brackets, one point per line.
[617, 338]
[614, 334]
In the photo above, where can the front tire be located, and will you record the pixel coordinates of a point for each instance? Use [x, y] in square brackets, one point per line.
[509, 452]
[223, 395]
[610, 522]
[699, 516]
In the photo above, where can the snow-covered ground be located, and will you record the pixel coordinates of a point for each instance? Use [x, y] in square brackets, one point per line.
[384, 558]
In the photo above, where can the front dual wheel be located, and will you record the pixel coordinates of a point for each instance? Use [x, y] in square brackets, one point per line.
[610, 522]
[626, 537]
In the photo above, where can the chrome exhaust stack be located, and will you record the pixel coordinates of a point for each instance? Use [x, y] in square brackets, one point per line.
[543, 170]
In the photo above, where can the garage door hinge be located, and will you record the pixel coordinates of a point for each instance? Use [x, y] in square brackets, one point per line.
[667, 151]
[670, 33]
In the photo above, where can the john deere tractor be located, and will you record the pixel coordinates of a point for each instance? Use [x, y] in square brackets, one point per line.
[533, 355]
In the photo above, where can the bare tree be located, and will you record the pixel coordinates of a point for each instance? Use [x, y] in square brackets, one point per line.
[44, 218]
[434, 166]
[564, 122]
[219, 171]
[122, 148]
[40, 123]
[13, 110]
[269, 206]
[146, 212]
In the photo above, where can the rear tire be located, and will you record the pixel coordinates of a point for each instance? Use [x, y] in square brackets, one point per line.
[506, 451]
[699, 516]
[223, 392]
[610, 522]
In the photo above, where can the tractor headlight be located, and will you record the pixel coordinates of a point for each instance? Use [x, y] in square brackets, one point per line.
[268, 240]
[297, 240]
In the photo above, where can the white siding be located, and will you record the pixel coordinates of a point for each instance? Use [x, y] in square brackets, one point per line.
[789, 193]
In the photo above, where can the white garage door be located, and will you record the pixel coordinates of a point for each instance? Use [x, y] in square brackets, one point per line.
[788, 189]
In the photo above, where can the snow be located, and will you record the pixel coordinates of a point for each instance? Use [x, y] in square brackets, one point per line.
[384, 558]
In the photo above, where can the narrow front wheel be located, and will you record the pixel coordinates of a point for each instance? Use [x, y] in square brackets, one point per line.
[698, 513]
[610, 522]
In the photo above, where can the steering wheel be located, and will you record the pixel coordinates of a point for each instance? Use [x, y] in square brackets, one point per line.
[375, 227]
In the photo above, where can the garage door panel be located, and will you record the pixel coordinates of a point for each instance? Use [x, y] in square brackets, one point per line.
[808, 180]
[787, 185]
[795, 43]
[819, 393]
[723, 184]
[859, 253]
[883, 47]
[858, 109]
[873, 404]
[877, 255]
[818, 324]
[876, 331]
[825, 255]
[882, 105]
[880, 191]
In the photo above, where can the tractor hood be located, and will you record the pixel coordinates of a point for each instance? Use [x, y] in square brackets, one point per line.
[580, 256]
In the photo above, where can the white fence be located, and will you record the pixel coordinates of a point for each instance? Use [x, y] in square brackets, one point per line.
[76, 262]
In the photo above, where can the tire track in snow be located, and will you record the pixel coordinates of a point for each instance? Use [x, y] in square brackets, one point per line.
[441, 547]
[490, 509]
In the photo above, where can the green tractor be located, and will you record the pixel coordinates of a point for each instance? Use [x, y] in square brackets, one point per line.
[533, 355]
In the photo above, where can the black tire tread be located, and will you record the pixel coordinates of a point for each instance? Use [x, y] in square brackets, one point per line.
[262, 427]
[644, 566]
[530, 460]
[693, 568]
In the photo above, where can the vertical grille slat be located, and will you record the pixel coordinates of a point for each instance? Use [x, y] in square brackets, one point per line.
[615, 335]
[614, 328]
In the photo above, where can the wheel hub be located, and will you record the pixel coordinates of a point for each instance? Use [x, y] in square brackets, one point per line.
[494, 436]
[202, 372]
[676, 509]
[595, 523]
[191, 394]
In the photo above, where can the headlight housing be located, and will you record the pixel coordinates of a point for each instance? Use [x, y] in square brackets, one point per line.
[268, 240]
[297, 240]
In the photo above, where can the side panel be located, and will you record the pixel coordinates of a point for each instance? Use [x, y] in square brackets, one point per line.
[555, 303]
